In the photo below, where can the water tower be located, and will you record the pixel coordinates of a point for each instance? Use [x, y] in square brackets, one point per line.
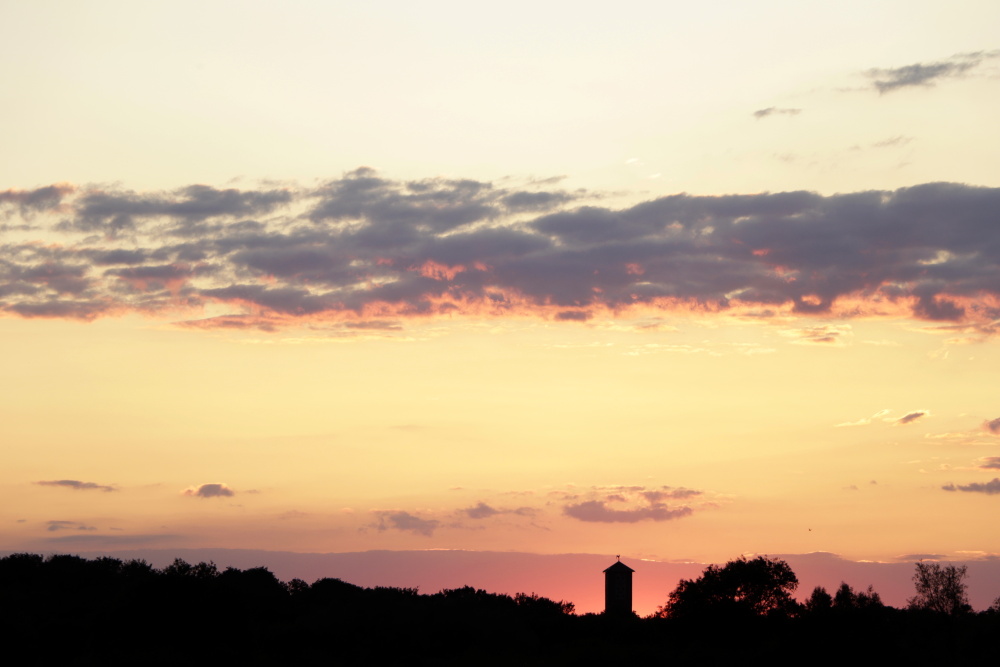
[618, 589]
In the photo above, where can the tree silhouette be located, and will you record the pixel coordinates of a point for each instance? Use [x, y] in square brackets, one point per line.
[940, 589]
[847, 599]
[757, 587]
[819, 602]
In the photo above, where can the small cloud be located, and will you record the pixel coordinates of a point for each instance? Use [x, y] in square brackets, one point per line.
[404, 521]
[77, 485]
[826, 334]
[770, 111]
[210, 491]
[992, 426]
[53, 526]
[989, 488]
[911, 417]
[917, 557]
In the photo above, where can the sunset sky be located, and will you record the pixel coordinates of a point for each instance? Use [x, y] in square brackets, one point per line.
[666, 280]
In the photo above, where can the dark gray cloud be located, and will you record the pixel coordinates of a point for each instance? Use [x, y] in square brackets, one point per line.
[404, 521]
[992, 426]
[28, 202]
[76, 485]
[116, 211]
[911, 417]
[926, 74]
[210, 491]
[770, 111]
[600, 512]
[990, 488]
[370, 249]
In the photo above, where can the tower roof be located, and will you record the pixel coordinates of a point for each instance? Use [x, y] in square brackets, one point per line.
[619, 567]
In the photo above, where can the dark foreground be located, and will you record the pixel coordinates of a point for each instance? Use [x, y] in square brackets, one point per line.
[106, 611]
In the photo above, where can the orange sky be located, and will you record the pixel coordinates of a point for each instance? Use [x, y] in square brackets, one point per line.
[593, 295]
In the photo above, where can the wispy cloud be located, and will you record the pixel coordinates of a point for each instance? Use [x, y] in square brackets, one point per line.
[864, 421]
[989, 463]
[883, 416]
[76, 485]
[892, 142]
[886, 80]
[826, 334]
[771, 111]
[600, 512]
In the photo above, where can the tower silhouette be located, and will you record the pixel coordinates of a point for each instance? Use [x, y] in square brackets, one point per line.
[618, 589]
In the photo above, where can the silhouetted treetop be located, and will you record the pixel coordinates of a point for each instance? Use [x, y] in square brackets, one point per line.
[940, 589]
[757, 587]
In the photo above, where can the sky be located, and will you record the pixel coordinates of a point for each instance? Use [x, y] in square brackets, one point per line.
[670, 281]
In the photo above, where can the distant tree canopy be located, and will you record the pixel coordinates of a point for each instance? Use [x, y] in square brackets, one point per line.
[738, 612]
[940, 589]
[846, 599]
[757, 587]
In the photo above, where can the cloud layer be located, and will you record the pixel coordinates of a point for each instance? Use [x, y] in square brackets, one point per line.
[365, 248]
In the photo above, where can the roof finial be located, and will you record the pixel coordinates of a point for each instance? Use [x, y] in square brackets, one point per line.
[618, 557]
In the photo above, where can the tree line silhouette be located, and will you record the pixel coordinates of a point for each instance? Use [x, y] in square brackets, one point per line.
[109, 611]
